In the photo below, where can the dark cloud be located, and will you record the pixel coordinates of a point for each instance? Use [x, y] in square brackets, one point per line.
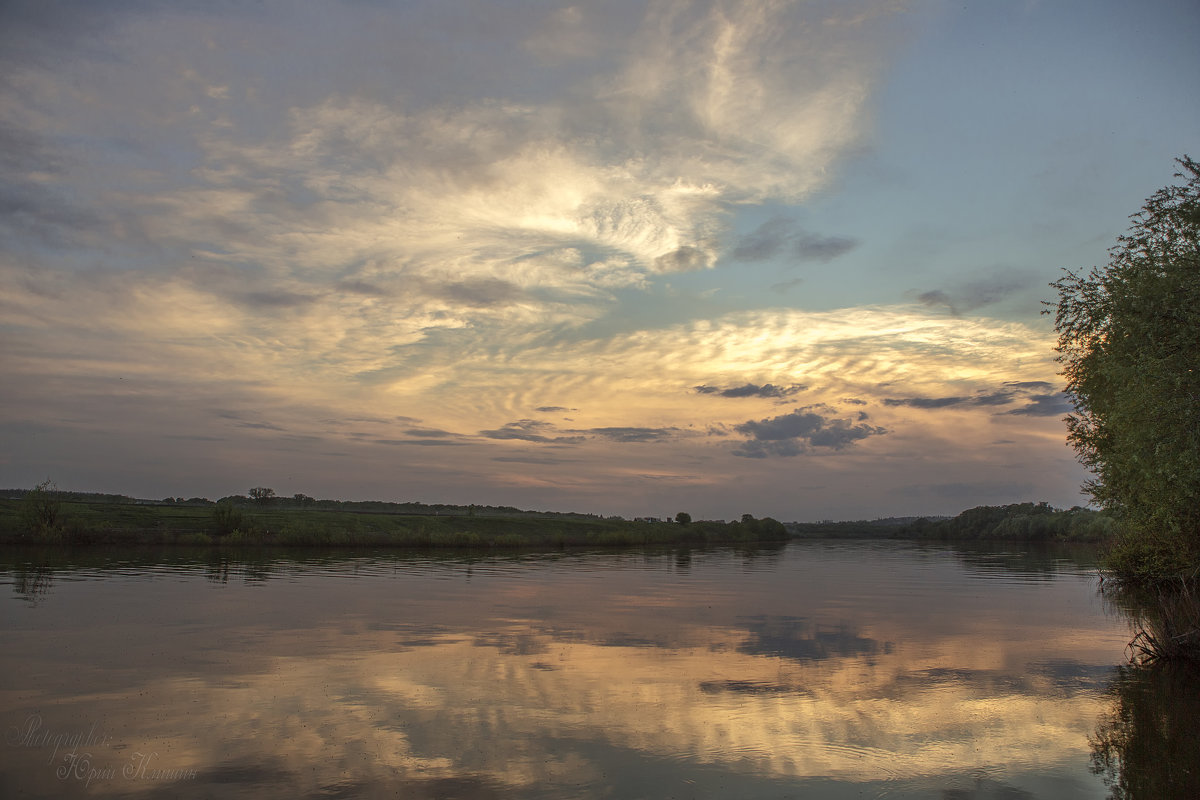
[764, 242]
[977, 294]
[373, 420]
[753, 390]
[262, 426]
[481, 293]
[786, 286]
[530, 430]
[420, 442]
[1039, 403]
[792, 434]
[782, 237]
[1046, 405]
[634, 434]
[533, 460]
[685, 259]
[552, 409]
[276, 299]
[926, 402]
[822, 248]
[996, 398]
[936, 298]
[362, 287]
[428, 433]
[37, 209]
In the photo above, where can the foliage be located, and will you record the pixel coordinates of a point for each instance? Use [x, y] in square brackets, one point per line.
[226, 517]
[41, 509]
[1165, 619]
[1027, 522]
[262, 494]
[683, 518]
[1129, 343]
[240, 521]
[1145, 747]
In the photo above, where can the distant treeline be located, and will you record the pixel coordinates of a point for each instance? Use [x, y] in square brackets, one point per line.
[302, 501]
[1030, 522]
[48, 516]
[262, 517]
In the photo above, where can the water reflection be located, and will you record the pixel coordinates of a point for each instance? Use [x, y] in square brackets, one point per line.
[847, 670]
[1147, 747]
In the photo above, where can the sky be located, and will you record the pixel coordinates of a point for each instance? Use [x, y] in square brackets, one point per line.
[627, 257]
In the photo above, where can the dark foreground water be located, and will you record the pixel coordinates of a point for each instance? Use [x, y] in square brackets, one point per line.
[816, 670]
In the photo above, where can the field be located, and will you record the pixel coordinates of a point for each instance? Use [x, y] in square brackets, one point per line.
[82, 522]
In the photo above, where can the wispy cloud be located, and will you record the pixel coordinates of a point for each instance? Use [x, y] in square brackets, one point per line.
[753, 390]
[780, 237]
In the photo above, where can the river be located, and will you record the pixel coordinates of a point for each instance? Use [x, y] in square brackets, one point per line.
[812, 669]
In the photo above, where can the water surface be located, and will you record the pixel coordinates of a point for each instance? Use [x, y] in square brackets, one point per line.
[839, 670]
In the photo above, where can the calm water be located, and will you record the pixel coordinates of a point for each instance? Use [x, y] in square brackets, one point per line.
[861, 670]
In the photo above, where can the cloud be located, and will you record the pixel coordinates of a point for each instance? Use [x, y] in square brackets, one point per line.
[481, 292]
[429, 433]
[753, 390]
[782, 237]
[262, 426]
[627, 434]
[1046, 405]
[362, 287]
[794, 433]
[927, 402]
[418, 442]
[1041, 404]
[786, 286]
[276, 299]
[976, 294]
[530, 430]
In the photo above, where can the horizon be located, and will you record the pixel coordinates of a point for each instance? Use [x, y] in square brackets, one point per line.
[179, 499]
[722, 258]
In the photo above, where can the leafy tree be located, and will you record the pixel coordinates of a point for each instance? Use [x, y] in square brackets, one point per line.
[1129, 343]
[41, 509]
[261, 494]
[683, 518]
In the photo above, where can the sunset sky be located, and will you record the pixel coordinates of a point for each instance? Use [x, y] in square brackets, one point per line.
[757, 256]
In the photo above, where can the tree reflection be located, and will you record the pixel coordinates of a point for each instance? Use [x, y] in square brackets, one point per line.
[1148, 746]
[32, 582]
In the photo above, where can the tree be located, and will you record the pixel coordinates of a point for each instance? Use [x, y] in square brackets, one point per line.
[41, 508]
[1129, 343]
[262, 494]
[683, 518]
[226, 517]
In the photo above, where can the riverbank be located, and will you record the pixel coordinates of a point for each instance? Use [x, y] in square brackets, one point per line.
[112, 522]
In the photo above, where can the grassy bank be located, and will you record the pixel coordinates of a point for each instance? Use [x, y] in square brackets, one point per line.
[76, 522]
